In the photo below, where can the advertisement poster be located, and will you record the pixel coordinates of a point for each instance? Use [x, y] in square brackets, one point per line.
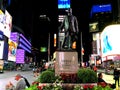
[110, 44]
[1, 49]
[63, 4]
[20, 56]
[12, 50]
[2, 21]
[7, 24]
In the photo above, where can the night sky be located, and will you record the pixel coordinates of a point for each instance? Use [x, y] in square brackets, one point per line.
[26, 17]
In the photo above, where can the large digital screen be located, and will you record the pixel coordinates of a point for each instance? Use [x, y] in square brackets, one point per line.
[110, 44]
[101, 8]
[25, 39]
[1, 49]
[63, 4]
[7, 24]
[1, 35]
[24, 43]
[12, 50]
[20, 56]
[14, 37]
[5, 52]
[24, 47]
[2, 21]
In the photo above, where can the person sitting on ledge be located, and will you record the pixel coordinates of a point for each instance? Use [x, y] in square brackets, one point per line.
[103, 83]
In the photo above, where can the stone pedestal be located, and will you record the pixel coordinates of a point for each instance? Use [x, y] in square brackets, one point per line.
[66, 62]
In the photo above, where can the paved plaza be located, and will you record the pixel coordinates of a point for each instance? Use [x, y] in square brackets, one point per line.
[9, 76]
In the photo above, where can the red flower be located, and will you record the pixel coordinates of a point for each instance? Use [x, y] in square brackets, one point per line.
[85, 86]
[103, 84]
[88, 87]
[91, 86]
[35, 83]
[39, 87]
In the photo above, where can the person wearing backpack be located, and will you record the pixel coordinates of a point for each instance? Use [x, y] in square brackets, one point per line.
[22, 83]
[26, 81]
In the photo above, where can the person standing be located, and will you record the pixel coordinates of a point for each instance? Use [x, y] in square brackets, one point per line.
[116, 76]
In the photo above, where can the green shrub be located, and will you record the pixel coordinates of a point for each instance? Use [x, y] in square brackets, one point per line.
[86, 75]
[47, 77]
[53, 70]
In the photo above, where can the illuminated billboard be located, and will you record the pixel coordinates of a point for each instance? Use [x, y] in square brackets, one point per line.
[20, 56]
[14, 36]
[24, 47]
[110, 44]
[43, 49]
[93, 27]
[2, 21]
[63, 4]
[21, 36]
[12, 50]
[101, 8]
[1, 49]
[7, 24]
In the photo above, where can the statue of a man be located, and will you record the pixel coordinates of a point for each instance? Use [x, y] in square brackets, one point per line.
[70, 28]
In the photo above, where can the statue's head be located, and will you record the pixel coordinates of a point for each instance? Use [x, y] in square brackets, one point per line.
[69, 11]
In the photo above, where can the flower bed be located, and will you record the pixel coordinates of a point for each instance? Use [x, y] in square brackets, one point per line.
[84, 79]
[67, 86]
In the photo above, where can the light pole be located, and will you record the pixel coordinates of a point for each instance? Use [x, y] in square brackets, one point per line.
[48, 47]
[46, 18]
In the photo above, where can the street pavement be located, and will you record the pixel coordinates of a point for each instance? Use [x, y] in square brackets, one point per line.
[10, 75]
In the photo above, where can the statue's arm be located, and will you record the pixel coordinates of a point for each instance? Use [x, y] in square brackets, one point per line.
[76, 25]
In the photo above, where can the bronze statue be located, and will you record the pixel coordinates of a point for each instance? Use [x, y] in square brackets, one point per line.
[70, 29]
